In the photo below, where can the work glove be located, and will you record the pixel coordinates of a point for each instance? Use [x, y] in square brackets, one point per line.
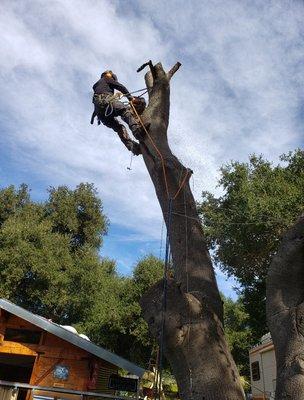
[139, 103]
[136, 100]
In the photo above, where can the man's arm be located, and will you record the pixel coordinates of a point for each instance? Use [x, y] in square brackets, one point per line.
[118, 86]
[95, 85]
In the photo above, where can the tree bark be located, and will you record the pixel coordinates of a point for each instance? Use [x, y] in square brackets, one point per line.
[194, 341]
[285, 312]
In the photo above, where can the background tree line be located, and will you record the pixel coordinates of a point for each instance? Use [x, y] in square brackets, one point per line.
[244, 225]
[51, 263]
[51, 255]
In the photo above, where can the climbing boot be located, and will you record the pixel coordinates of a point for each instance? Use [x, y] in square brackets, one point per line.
[134, 147]
[139, 132]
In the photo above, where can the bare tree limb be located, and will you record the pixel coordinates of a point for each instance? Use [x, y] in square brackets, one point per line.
[174, 69]
[149, 63]
[149, 81]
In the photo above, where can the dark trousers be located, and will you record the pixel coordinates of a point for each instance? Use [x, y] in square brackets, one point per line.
[107, 109]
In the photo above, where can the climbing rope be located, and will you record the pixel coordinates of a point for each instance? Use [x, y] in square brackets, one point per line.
[129, 168]
[159, 371]
[182, 184]
[109, 110]
[161, 158]
[145, 90]
[187, 290]
[127, 102]
[161, 240]
[110, 100]
[164, 304]
[155, 147]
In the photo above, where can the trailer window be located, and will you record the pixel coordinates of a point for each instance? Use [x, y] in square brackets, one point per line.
[255, 371]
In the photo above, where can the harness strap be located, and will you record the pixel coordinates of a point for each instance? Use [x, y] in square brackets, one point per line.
[106, 96]
[105, 101]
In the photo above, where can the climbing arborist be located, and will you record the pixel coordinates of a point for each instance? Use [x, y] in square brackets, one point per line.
[107, 107]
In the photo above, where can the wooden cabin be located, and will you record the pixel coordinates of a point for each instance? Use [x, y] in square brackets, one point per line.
[37, 352]
[263, 369]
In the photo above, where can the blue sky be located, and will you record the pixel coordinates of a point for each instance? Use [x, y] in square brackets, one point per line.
[239, 91]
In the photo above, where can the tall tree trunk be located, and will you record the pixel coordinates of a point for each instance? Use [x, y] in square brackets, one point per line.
[285, 312]
[194, 341]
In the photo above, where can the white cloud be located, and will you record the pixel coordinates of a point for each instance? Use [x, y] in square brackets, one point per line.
[51, 57]
[239, 90]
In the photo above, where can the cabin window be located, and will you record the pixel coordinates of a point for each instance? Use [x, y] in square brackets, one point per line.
[22, 336]
[255, 371]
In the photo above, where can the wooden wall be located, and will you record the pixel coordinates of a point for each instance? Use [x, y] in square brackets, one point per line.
[86, 372]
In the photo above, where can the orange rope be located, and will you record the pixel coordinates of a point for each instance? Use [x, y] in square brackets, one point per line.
[181, 185]
[161, 157]
[158, 372]
[156, 148]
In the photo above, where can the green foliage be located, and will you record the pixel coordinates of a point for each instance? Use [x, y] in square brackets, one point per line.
[115, 319]
[12, 200]
[238, 333]
[147, 272]
[41, 268]
[50, 264]
[244, 225]
[77, 213]
[169, 384]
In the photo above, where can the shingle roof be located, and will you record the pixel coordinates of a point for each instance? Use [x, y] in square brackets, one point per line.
[70, 337]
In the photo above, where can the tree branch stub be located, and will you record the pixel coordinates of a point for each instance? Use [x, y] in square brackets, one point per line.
[173, 70]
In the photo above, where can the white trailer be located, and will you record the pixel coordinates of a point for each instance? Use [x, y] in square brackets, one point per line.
[263, 369]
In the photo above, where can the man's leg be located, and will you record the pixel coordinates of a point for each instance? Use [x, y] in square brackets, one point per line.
[130, 144]
[119, 109]
[127, 141]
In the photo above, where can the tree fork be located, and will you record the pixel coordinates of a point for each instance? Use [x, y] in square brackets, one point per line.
[194, 341]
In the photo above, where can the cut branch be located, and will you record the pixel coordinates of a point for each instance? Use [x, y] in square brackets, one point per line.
[174, 69]
[150, 76]
[149, 63]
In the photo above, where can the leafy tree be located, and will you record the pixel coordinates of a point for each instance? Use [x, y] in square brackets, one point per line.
[245, 224]
[115, 319]
[12, 200]
[147, 272]
[41, 267]
[50, 264]
[77, 213]
[238, 333]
